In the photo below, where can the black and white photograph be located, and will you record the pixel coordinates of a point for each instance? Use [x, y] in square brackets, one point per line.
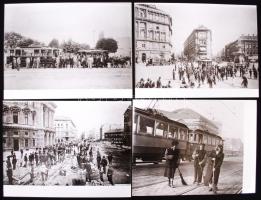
[195, 49]
[68, 148]
[62, 47]
[193, 147]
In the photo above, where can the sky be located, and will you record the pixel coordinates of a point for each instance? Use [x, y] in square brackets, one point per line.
[81, 22]
[90, 115]
[227, 112]
[227, 22]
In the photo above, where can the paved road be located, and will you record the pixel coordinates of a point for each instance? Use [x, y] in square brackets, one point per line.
[71, 78]
[148, 180]
[165, 72]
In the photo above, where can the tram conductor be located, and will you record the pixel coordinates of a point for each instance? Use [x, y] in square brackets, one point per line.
[172, 162]
[200, 158]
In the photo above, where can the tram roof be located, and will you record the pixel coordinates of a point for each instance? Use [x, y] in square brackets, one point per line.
[158, 115]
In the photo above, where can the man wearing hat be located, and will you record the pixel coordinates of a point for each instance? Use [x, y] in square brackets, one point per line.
[218, 160]
[200, 157]
[172, 162]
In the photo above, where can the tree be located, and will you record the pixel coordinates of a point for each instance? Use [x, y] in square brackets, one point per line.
[54, 43]
[108, 44]
[12, 39]
[70, 46]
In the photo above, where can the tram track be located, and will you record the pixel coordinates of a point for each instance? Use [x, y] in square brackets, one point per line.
[228, 173]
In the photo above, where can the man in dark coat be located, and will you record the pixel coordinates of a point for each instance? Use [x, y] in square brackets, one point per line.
[110, 175]
[14, 161]
[172, 162]
[88, 171]
[25, 160]
[9, 171]
[218, 160]
[104, 164]
[199, 156]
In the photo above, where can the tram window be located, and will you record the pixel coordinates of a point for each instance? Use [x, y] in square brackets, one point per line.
[146, 125]
[36, 51]
[209, 140]
[135, 122]
[161, 129]
[173, 132]
[205, 138]
[18, 52]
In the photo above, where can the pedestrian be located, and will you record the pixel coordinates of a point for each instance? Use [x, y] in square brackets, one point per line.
[9, 171]
[172, 162]
[88, 172]
[244, 83]
[218, 160]
[14, 161]
[98, 160]
[14, 63]
[110, 175]
[25, 160]
[209, 168]
[104, 164]
[18, 61]
[22, 153]
[36, 158]
[44, 172]
[110, 157]
[199, 156]
[159, 85]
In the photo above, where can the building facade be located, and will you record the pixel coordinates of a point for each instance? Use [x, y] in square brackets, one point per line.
[65, 129]
[28, 125]
[153, 32]
[198, 46]
[242, 49]
[115, 136]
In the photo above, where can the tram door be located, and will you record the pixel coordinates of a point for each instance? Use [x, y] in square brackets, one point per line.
[16, 145]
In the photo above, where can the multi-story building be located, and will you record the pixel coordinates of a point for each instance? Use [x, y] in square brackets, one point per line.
[198, 46]
[242, 49]
[65, 129]
[28, 125]
[153, 32]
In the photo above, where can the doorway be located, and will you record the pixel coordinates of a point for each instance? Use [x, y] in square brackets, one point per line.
[16, 145]
[143, 57]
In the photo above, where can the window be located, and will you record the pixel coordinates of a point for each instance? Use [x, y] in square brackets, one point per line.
[15, 133]
[33, 142]
[33, 133]
[26, 133]
[161, 129]
[33, 117]
[26, 118]
[15, 117]
[173, 132]
[143, 45]
[26, 142]
[4, 140]
[43, 116]
[146, 125]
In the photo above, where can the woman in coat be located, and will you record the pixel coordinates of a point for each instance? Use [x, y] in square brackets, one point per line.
[172, 162]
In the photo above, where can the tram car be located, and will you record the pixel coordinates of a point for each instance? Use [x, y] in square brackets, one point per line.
[153, 132]
[47, 55]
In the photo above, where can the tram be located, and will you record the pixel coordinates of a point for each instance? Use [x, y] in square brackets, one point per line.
[47, 55]
[153, 132]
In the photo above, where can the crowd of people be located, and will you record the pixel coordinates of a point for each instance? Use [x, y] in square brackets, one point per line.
[44, 158]
[68, 60]
[191, 75]
[207, 163]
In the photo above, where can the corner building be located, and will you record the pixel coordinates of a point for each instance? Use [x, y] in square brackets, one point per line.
[153, 32]
[198, 45]
[28, 125]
